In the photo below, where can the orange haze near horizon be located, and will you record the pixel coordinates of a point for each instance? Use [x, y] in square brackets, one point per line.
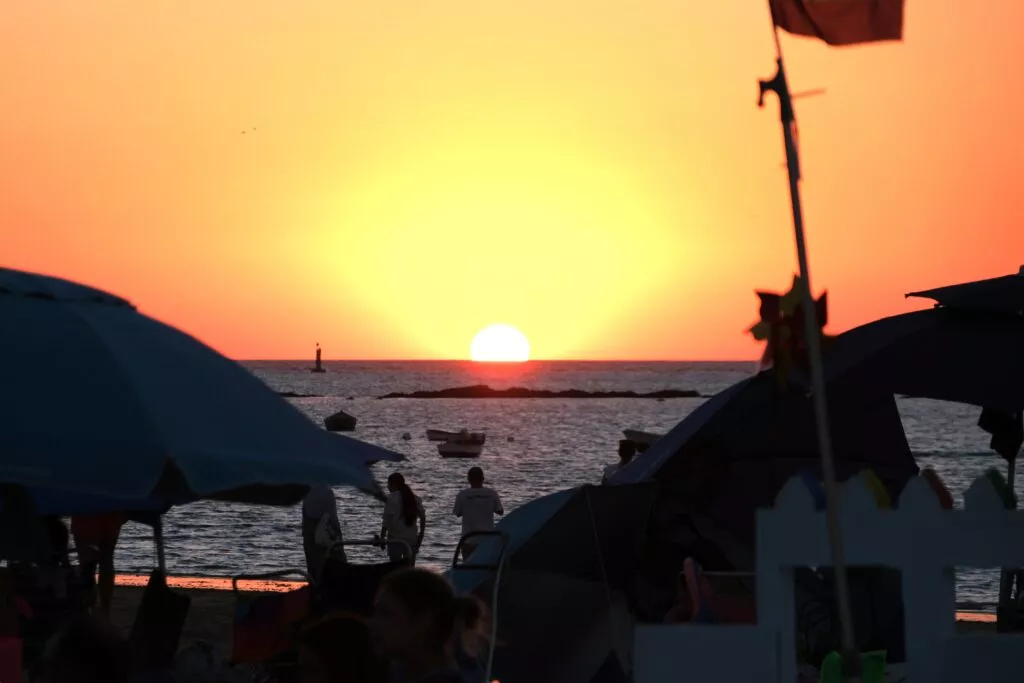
[387, 179]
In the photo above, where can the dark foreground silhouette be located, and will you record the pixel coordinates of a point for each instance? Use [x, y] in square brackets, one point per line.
[484, 391]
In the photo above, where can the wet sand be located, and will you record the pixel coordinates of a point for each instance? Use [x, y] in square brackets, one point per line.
[212, 611]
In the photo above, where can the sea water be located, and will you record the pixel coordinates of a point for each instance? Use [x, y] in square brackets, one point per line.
[534, 447]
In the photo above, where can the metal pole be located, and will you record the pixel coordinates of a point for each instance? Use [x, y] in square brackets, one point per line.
[850, 656]
[1006, 612]
[158, 541]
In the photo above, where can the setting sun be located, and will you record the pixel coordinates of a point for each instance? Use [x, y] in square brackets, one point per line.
[500, 343]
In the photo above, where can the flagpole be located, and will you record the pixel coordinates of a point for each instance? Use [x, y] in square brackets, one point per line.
[779, 85]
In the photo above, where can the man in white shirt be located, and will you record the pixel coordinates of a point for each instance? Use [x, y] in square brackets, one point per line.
[477, 506]
[321, 529]
[627, 449]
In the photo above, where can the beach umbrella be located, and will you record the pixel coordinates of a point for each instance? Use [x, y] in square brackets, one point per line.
[587, 532]
[950, 354]
[736, 451]
[570, 552]
[997, 295]
[642, 468]
[1003, 297]
[100, 401]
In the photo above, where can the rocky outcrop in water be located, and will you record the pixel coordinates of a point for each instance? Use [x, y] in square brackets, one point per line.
[484, 391]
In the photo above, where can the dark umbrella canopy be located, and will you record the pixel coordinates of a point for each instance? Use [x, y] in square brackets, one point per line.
[568, 553]
[98, 399]
[589, 533]
[642, 468]
[965, 356]
[734, 453]
[997, 295]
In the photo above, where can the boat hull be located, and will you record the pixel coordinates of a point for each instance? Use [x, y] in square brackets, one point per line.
[440, 435]
[639, 437]
[450, 449]
[340, 422]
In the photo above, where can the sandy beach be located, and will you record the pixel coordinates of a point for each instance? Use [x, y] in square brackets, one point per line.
[212, 611]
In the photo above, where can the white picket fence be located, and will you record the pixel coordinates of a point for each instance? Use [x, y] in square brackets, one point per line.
[918, 537]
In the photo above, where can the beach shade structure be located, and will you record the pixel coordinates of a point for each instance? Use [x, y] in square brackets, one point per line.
[995, 295]
[100, 401]
[732, 456]
[60, 503]
[719, 466]
[22, 511]
[735, 452]
[950, 354]
[643, 468]
[571, 555]
[967, 349]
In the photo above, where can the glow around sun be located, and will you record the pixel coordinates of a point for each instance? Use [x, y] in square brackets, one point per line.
[500, 343]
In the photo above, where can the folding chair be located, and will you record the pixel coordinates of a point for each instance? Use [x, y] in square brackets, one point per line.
[266, 623]
[159, 622]
[496, 568]
[350, 587]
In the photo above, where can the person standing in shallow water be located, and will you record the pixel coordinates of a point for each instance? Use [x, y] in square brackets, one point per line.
[477, 506]
[401, 512]
[627, 449]
[321, 529]
[96, 538]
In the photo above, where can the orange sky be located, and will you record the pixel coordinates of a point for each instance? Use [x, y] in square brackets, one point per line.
[594, 173]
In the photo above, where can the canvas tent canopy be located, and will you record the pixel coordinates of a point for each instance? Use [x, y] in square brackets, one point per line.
[735, 452]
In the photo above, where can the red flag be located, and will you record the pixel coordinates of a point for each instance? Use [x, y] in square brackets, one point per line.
[841, 22]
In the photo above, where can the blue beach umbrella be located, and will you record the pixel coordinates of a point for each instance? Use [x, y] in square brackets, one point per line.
[102, 402]
[967, 349]
[567, 552]
[995, 295]
[959, 355]
[588, 533]
[664, 449]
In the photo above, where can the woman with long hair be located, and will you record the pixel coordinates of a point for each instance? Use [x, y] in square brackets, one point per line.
[416, 625]
[401, 512]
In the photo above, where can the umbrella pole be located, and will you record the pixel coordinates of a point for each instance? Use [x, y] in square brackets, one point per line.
[158, 542]
[779, 85]
[1006, 612]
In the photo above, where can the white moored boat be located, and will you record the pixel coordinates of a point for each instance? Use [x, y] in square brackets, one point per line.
[639, 437]
[464, 444]
[440, 435]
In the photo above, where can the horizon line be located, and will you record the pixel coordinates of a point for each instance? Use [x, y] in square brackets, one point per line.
[469, 360]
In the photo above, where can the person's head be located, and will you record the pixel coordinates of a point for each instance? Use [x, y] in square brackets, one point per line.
[469, 626]
[476, 477]
[415, 615]
[627, 449]
[86, 650]
[338, 650]
[395, 481]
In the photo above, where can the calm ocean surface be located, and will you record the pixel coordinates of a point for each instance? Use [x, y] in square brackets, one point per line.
[557, 444]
